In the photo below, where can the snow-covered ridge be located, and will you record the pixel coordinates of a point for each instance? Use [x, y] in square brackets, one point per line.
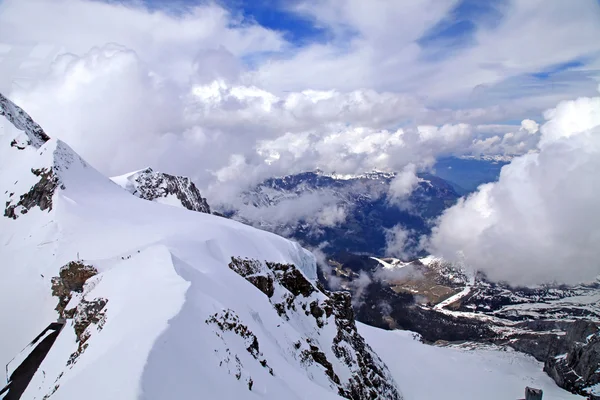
[34, 134]
[163, 188]
[146, 294]
[366, 175]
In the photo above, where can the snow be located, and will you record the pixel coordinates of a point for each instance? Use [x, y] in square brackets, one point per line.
[395, 263]
[164, 271]
[453, 298]
[427, 372]
[430, 260]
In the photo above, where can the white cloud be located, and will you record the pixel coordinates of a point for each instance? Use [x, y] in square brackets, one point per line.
[540, 222]
[399, 243]
[359, 285]
[129, 87]
[311, 210]
[403, 184]
[331, 215]
[175, 45]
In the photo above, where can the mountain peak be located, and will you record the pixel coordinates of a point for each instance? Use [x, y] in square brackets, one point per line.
[163, 188]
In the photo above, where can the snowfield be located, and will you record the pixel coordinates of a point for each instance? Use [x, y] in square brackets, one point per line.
[161, 273]
[427, 372]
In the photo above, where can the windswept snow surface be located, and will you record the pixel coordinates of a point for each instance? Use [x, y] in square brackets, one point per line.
[163, 271]
[426, 372]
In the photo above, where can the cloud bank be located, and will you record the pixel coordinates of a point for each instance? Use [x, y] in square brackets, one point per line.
[204, 91]
[540, 222]
[228, 95]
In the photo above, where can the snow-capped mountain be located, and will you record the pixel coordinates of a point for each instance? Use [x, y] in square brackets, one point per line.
[354, 211]
[163, 188]
[123, 298]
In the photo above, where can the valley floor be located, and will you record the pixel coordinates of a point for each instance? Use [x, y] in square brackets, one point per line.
[425, 372]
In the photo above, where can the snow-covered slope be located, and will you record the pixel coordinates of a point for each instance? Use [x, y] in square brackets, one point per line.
[153, 298]
[455, 374]
[163, 188]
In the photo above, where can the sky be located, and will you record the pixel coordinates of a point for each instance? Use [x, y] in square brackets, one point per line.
[231, 92]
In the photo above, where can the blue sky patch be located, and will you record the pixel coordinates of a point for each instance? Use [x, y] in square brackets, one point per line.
[458, 28]
[556, 69]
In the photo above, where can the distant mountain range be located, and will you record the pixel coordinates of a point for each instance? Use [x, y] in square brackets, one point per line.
[364, 202]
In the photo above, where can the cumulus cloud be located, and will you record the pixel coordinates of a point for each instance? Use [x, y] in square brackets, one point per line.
[334, 282]
[358, 286]
[399, 242]
[403, 184]
[540, 222]
[204, 92]
[311, 210]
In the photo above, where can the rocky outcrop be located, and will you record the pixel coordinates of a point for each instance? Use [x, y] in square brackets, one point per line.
[297, 300]
[157, 186]
[70, 283]
[39, 195]
[229, 321]
[35, 135]
[70, 280]
[577, 369]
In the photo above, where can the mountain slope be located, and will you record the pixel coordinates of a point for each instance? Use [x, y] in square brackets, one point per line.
[151, 298]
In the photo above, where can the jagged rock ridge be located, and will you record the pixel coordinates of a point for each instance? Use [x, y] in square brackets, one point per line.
[22, 121]
[297, 301]
[164, 188]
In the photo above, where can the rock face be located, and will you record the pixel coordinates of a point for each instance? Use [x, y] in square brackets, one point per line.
[336, 347]
[69, 287]
[578, 369]
[34, 134]
[164, 188]
[39, 195]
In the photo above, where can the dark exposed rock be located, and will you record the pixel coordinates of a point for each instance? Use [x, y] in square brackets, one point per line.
[39, 195]
[578, 368]
[85, 314]
[71, 278]
[20, 145]
[150, 185]
[228, 320]
[251, 270]
[22, 121]
[291, 279]
[319, 357]
[370, 379]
